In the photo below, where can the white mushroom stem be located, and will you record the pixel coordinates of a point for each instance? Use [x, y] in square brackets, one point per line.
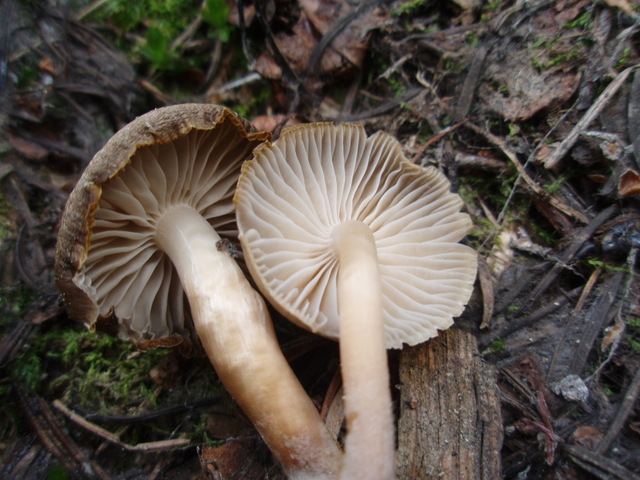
[369, 444]
[234, 326]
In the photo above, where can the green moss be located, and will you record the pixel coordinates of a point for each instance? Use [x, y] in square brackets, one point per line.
[624, 59]
[159, 23]
[409, 7]
[555, 186]
[583, 22]
[95, 371]
[633, 322]
[255, 105]
[498, 345]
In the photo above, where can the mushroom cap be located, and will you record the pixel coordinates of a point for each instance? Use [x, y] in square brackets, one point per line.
[108, 269]
[295, 191]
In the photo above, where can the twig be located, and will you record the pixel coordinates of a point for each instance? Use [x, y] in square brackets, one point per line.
[336, 28]
[52, 435]
[569, 253]
[531, 183]
[145, 417]
[384, 108]
[13, 341]
[626, 408]
[594, 322]
[598, 465]
[588, 287]
[435, 139]
[602, 101]
[471, 82]
[543, 312]
[159, 446]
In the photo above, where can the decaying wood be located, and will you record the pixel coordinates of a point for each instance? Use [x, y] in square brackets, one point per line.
[450, 424]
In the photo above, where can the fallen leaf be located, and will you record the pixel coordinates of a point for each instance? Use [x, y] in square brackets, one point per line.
[612, 336]
[629, 184]
[516, 89]
[340, 29]
[587, 436]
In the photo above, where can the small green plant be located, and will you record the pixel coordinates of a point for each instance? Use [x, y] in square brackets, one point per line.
[582, 22]
[157, 24]
[624, 59]
[555, 186]
[633, 322]
[635, 345]
[596, 263]
[255, 104]
[93, 370]
[216, 14]
[498, 345]
[408, 7]
[513, 309]
[472, 39]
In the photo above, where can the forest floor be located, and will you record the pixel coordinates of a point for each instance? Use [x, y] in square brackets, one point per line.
[531, 108]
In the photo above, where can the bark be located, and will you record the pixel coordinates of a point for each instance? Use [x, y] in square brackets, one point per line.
[449, 414]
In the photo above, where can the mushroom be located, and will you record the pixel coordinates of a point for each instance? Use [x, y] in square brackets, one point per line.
[144, 253]
[347, 238]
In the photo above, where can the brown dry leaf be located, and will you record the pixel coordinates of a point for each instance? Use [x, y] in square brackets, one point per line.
[629, 184]
[568, 10]
[348, 29]
[612, 336]
[270, 123]
[587, 436]
[46, 65]
[234, 460]
[524, 89]
[30, 150]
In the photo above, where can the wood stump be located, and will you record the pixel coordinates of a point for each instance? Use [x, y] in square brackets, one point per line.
[449, 423]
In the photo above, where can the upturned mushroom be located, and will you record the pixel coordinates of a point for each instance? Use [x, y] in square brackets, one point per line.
[142, 253]
[350, 240]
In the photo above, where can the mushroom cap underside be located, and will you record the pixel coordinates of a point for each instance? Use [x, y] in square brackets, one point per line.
[108, 270]
[295, 191]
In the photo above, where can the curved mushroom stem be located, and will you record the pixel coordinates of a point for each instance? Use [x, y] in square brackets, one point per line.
[369, 444]
[236, 331]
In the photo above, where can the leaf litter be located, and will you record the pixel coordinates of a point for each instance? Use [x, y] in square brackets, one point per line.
[531, 110]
